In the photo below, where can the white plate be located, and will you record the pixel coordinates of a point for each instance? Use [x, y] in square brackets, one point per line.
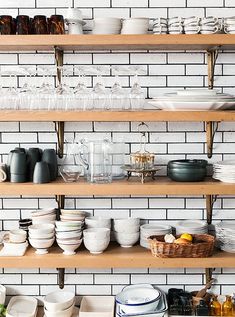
[194, 224]
[195, 92]
[22, 306]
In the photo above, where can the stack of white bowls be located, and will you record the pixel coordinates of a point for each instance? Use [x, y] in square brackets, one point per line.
[97, 222]
[96, 240]
[43, 216]
[191, 226]
[135, 26]
[69, 230]
[107, 26]
[59, 304]
[148, 230]
[41, 237]
[225, 235]
[126, 231]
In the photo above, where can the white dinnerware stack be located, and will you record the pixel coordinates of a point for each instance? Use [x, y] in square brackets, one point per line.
[96, 240]
[69, 230]
[191, 25]
[175, 25]
[194, 99]
[126, 231]
[14, 243]
[59, 304]
[210, 25]
[160, 26]
[135, 26]
[73, 19]
[97, 222]
[107, 25]
[191, 226]
[229, 25]
[41, 237]
[224, 171]
[43, 216]
[148, 230]
[225, 235]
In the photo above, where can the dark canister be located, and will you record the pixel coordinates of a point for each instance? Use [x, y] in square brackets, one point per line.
[56, 24]
[22, 24]
[39, 25]
[187, 170]
[41, 173]
[49, 156]
[5, 24]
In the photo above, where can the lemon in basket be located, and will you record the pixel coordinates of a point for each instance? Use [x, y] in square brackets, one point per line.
[186, 236]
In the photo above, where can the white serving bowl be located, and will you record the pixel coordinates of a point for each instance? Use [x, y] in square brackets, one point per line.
[68, 224]
[68, 229]
[96, 233]
[42, 228]
[98, 222]
[48, 217]
[17, 236]
[60, 313]
[58, 301]
[69, 247]
[72, 212]
[68, 217]
[69, 235]
[44, 236]
[126, 221]
[96, 246]
[37, 220]
[126, 229]
[126, 240]
[41, 245]
[43, 212]
[139, 298]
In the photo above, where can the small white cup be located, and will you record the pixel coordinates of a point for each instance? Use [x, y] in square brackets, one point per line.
[209, 20]
[17, 236]
[209, 29]
[175, 29]
[3, 174]
[74, 13]
[194, 20]
[160, 21]
[175, 20]
[192, 29]
[160, 29]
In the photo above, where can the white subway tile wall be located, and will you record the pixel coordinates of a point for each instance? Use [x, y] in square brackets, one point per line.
[161, 72]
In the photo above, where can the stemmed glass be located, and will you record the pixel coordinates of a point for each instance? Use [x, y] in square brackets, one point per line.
[99, 94]
[118, 96]
[82, 96]
[137, 98]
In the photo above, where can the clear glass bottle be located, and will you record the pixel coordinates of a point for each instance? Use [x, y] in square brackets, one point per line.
[227, 307]
[215, 307]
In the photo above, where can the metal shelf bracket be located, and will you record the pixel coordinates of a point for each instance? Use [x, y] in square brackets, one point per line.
[210, 200]
[61, 272]
[59, 127]
[60, 201]
[211, 128]
[208, 275]
[212, 55]
[59, 60]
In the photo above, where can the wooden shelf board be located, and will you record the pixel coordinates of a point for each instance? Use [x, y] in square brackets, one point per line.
[114, 256]
[117, 116]
[117, 42]
[161, 186]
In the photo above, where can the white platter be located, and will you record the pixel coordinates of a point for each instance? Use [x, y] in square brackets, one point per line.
[22, 306]
[196, 92]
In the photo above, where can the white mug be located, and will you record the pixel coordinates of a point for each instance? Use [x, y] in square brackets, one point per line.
[3, 173]
[229, 30]
[191, 20]
[159, 21]
[175, 20]
[175, 29]
[209, 20]
[192, 29]
[209, 30]
[75, 28]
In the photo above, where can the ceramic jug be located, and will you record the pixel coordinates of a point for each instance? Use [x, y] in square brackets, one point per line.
[96, 158]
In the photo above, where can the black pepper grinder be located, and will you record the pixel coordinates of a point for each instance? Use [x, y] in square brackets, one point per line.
[202, 309]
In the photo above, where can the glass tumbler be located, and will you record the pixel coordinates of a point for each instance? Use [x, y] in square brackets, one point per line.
[39, 24]
[56, 24]
[22, 24]
[6, 24]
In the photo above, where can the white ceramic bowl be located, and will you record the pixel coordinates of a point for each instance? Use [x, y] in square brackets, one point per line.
[41, 245]
[69, 248]
[58, 300]
[126, 240]
[34, 235]
[96, 233]
[68, 224]
[43, 212]
[42, 228]
[60, 313]
[126, 221]
[48, 217]
[96, 246]
[72, 212]
[69, 235]
[98, 222]
[37, 220]
[17, 236]
[68, 217]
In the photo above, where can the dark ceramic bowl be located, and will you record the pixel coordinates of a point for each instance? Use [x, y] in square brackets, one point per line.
[187, 170]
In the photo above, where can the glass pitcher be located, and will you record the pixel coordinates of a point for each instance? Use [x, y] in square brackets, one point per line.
[96, 157]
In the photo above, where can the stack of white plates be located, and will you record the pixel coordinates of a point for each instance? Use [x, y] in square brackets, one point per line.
[192, 227]
[148, 230]
[224, 171]
[198, 99]
[225, 235]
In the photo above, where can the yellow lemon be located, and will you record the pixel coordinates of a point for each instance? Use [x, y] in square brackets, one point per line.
[186, 236]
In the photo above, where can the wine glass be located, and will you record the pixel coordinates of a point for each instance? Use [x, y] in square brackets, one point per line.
[137, 98]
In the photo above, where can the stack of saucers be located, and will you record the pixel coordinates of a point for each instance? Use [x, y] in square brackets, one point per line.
[44, 216]
[41, 237]
[148, 230]
[126, 231]
[192, 227]
[224, 171]
[225, 235]
[69, 230]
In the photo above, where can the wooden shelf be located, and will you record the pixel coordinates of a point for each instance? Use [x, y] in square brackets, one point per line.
[161, 186]
[117, 116]
[117, 42]
[115, 257]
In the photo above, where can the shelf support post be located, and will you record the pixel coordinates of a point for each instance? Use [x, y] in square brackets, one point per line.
[208, 274]
[211, 128]
[212, 55]
[59, 127]
[60, 201]
[59, 59]
[61, 272]
[210, 200]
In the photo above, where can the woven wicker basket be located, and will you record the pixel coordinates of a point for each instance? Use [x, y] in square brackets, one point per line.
[202, 246]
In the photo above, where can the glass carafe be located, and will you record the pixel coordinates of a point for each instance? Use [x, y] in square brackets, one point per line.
[70, 168]
[96, 157]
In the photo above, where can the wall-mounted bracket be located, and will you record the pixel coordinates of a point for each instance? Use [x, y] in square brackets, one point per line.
[211, 128]
[59, 127]
[208, 274]
[60, 201]
[210, 200]
[212, 55]
[61, 272]
[59, 59]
